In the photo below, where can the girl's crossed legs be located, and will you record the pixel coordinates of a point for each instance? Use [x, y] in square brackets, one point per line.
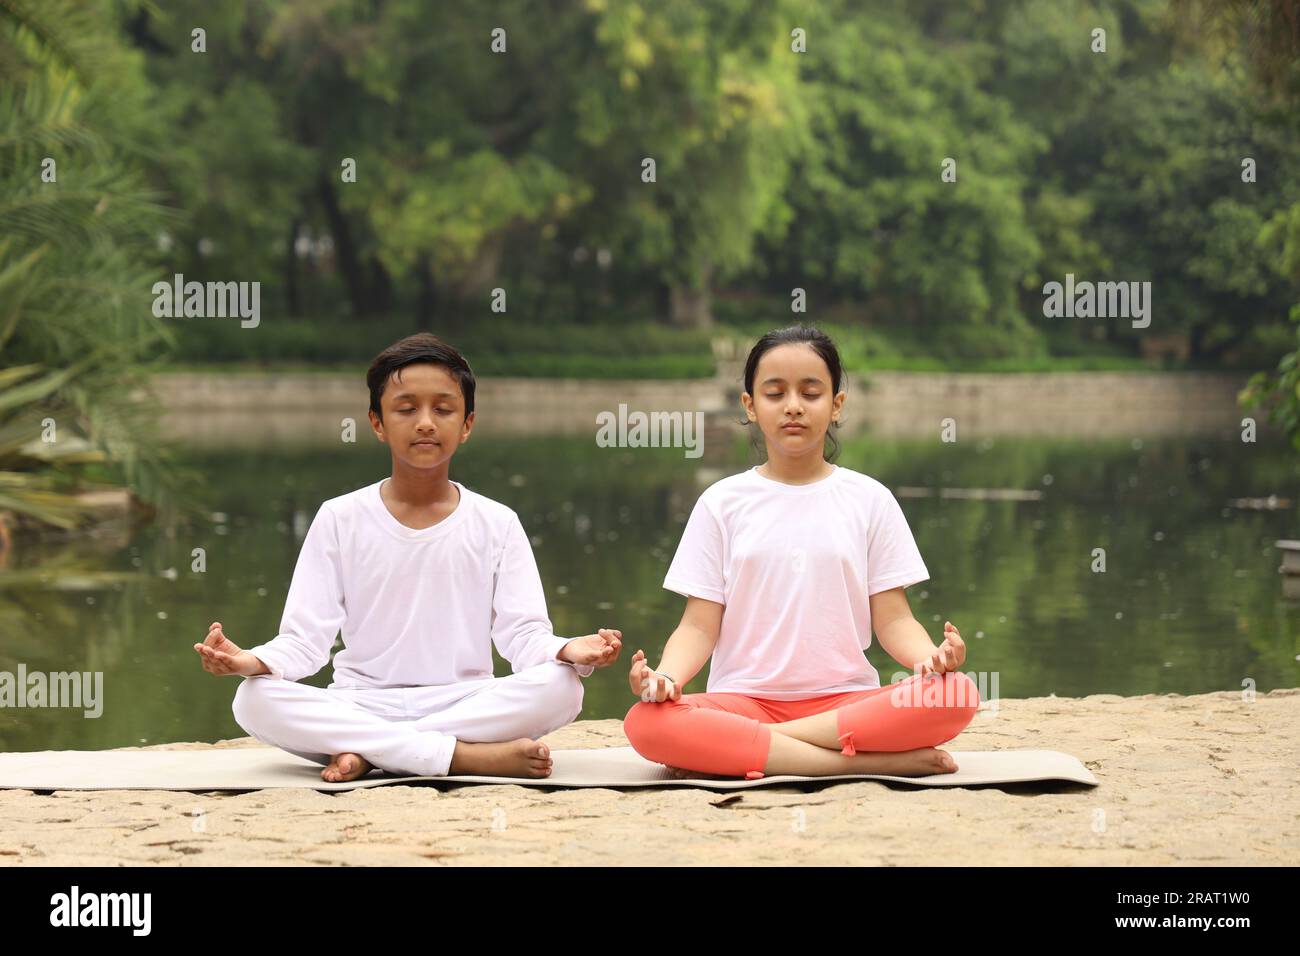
[891, 729]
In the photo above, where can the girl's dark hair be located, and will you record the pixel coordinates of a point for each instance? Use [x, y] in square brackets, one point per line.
[792, 335]
[421, 347]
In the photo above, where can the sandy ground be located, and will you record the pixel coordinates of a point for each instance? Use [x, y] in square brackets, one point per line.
[1207, 779]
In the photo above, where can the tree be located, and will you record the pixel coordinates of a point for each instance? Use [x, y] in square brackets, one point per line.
[1267, 34]
[76, 232]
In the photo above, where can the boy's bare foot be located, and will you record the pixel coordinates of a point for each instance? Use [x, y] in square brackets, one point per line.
[346, 767]
[905, 763]
[512, 758]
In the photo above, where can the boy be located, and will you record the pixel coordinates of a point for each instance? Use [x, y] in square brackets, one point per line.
[422, 575]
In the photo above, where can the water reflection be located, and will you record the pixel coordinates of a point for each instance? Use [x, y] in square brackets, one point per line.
[1190, 599]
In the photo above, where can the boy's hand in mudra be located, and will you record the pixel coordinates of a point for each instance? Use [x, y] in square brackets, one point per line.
[950, 655]
[599, 649]
[220, 655]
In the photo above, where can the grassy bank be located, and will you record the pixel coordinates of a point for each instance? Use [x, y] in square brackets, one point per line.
[500, 348]
[637, 350]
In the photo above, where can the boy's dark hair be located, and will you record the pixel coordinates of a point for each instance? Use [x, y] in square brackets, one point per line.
[420, 347]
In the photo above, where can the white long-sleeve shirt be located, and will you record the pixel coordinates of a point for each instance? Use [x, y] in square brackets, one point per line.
[416, 607]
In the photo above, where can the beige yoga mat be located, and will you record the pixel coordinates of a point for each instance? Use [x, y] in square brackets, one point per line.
[262, 768]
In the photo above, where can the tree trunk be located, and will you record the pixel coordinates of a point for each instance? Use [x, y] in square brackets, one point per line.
[1196, 342]
[291, 271]
[663, 293]
[427, 303]
[381, 288]
[483, 271]
[345, 250]
[691, 308]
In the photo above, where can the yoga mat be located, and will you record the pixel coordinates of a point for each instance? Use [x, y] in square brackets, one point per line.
[262, 768]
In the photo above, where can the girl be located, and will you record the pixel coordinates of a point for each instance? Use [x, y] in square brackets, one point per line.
[786, 568]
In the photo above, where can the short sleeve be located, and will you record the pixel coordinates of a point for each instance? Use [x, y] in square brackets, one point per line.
[893, 559]
[698, 569]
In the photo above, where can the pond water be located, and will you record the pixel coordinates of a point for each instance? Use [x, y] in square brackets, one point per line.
[1190, 601]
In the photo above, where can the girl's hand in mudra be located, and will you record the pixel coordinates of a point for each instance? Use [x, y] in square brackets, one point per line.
[950, 655]
[651, 687]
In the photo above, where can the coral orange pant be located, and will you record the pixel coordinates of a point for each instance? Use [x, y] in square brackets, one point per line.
[728, 733]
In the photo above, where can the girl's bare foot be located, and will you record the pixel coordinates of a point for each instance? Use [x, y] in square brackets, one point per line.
[346, 767]
[513, 758]
[905, 763]
[790, 755]
[678, 773]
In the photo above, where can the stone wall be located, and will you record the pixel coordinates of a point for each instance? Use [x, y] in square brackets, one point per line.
[1084, 404]
[309, 407]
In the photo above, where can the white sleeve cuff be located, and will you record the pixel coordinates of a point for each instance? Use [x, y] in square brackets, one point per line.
[277, 672]
[904, 579]
[686, 589]
[584, 670]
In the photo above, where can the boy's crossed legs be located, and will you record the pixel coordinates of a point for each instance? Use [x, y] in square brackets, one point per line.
[486, 727]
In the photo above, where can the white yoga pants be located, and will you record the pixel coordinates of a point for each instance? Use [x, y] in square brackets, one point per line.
[407, 730]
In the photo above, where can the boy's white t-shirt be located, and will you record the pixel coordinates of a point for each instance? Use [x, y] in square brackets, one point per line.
[415, 607]
[794, 566]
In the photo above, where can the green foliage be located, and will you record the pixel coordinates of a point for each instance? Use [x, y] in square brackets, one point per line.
[522, 170]
[75, 269]
[1278, 393]
[775, 169]
[873, 218]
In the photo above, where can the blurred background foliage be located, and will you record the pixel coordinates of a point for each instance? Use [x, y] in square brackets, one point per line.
[522, 170]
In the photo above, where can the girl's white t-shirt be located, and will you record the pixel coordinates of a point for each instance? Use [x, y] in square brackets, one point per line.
[416, 607]
[794, 566]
